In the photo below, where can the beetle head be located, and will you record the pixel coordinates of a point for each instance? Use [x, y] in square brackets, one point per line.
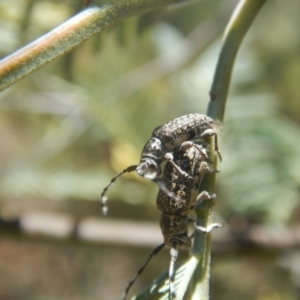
[149, 168]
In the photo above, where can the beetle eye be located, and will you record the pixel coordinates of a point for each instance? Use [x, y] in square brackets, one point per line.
[152, 166]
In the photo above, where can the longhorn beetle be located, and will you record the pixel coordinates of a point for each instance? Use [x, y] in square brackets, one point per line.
[165, 140]
[182, 179]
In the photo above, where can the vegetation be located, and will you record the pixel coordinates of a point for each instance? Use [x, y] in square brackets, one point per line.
[67, 128]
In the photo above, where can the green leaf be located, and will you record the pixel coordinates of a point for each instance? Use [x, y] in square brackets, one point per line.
[159, 288]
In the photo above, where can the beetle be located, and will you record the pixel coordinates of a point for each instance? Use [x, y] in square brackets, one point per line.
[182, 179]
[164, 141]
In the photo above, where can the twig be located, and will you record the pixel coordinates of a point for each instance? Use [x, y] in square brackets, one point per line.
[237, 28]
[70, 34]
[62, 229]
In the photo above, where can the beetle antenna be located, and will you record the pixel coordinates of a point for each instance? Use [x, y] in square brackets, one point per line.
[140, 271]
[103, 198]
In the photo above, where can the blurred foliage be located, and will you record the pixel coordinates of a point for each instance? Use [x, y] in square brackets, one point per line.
[91, 111]
[69, 127]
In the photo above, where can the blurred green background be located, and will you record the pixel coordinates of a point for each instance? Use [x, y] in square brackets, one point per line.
[72, 125]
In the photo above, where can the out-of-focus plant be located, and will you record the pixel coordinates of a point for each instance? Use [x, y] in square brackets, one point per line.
[76, 109]
[59, 124]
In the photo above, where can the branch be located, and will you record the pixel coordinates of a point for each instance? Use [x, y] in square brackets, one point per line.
[240, 22]
[62, 229]
[70, 34]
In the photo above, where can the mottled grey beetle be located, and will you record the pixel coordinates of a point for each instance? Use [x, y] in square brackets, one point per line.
[164, 141]
[182, 178]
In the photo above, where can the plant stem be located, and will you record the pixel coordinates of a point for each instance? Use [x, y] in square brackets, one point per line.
[71, 33]
[240, 22]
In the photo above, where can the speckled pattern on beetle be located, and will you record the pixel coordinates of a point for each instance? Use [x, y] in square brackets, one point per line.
[181, 177]
[164, 141]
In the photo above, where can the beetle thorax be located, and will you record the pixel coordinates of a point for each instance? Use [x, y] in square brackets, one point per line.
[155, 149]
